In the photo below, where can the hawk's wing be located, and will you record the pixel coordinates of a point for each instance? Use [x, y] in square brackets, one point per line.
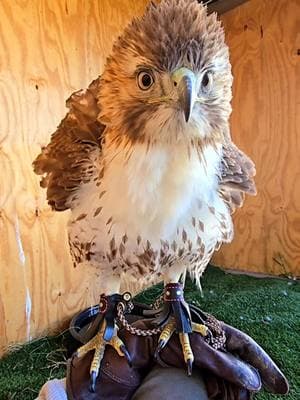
[237, 176]
[66, 162]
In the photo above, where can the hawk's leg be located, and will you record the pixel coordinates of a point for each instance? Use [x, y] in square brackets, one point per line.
[175, 317]
[104, 331]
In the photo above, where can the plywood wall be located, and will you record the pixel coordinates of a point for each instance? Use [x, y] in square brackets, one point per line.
[48, 49]
[264, 39]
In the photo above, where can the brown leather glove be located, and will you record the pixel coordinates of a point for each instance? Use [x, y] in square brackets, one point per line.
[230, 375]
[234, 374]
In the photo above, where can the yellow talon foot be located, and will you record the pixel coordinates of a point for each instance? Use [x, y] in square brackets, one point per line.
[165, 335]
[168, 331]
[97, 343]
[186, 346]
[199, 328]
[120, 348]
[187, 351]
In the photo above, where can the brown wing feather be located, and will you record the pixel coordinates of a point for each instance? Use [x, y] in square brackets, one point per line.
[237, 176]
[66, 162]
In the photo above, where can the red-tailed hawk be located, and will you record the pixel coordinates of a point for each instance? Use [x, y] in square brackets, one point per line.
[145, 162]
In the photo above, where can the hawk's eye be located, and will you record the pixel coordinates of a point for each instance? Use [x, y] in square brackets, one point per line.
[145, 80]
[206, 82]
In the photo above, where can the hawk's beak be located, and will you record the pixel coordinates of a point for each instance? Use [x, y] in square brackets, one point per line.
[185, 82]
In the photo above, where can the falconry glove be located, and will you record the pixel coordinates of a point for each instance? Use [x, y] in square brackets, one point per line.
[233, 372]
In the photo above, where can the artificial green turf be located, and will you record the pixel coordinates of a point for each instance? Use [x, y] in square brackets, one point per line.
[267, 309]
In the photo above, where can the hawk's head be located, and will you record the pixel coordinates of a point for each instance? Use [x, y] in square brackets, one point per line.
[169, 76]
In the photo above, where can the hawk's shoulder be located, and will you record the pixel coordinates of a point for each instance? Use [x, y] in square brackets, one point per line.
[67, 162]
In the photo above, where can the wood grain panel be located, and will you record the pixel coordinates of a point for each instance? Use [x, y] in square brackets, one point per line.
[264, 39]
[48, 49]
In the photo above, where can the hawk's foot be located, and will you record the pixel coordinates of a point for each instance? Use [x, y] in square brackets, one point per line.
[176, 317]
[107, 334]
[166, 334]
[98, 343]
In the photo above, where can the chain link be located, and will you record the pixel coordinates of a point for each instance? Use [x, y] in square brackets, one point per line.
[133, 330]
[158, 302]
[216, 337]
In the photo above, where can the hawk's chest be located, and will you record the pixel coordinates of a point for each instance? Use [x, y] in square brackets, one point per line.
[151, 194]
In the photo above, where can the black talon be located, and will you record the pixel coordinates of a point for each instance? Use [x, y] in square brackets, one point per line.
[161, 344]
[126, 354]
[93, 382]
[189, 365]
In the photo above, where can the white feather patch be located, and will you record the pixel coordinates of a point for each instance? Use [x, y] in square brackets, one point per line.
[153, 194]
